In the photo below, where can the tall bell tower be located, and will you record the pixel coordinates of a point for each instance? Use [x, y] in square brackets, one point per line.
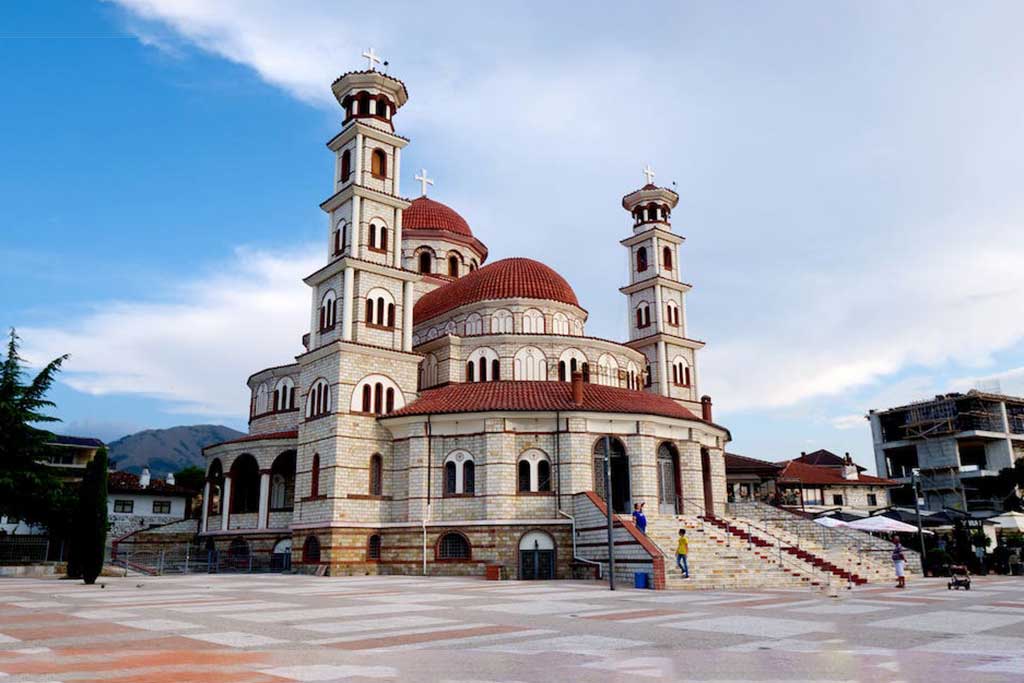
[656, 295]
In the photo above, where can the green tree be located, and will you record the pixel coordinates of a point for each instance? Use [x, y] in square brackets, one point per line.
[29, 489]
[91, 519]
[191, 478]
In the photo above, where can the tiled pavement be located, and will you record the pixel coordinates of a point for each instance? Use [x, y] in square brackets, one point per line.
[275, 629]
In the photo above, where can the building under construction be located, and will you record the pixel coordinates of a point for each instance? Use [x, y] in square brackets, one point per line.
[957, 442]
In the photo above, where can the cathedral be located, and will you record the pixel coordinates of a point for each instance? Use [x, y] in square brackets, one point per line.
[448, 412]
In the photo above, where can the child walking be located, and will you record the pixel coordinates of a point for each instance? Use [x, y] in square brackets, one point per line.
[681, 551]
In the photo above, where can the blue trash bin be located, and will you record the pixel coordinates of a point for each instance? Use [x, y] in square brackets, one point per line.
[640, 580]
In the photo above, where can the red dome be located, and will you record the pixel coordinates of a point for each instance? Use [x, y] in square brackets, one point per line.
[511, 278]
[426, 214]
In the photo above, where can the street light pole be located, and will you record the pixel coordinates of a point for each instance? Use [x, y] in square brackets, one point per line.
[608, 509]
[917, 510]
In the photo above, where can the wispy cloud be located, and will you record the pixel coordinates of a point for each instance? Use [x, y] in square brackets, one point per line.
[194, 347]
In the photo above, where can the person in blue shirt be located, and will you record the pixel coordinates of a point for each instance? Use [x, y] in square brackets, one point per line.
[639, 518]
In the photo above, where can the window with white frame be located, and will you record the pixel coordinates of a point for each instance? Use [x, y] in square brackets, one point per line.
[570, 361]
[680, 372]
[328, 310]
[483, 365]
[318, 400]
[672, 313]
[607, 370]
[376, 395]
[161, 507]
[459, 474]
[530, 363]
[533, 472]
[533, 321]
[380, 308]
[284, 394]
[125, 506]
[474, 324]
[261, 401]
[501, 322]
[643, 315]
[560, 323]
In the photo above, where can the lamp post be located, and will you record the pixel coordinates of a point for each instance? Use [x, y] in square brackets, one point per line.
[608, 509]
[917, 511]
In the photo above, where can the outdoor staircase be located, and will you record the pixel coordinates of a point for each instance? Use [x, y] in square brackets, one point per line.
[752, 538]
[718, 562]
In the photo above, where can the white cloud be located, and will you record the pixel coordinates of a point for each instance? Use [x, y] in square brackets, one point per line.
[855, 421]
[194, 347]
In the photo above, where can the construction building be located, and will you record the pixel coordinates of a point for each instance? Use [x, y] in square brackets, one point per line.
[957, 443]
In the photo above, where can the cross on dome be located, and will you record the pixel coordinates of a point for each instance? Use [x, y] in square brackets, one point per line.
[370, 57]
[424, 181]
[649, 172]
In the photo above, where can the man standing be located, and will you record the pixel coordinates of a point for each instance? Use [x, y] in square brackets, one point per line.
[899, 563]
[681, 551]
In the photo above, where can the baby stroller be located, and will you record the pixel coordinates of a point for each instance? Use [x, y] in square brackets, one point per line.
[958, 577]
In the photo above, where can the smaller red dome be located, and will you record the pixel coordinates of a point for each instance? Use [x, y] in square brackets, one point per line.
[511, 278]
[426, 214]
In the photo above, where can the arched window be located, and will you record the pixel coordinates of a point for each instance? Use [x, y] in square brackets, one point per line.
[282, 482]
[501, 322]
[561, 371]
[391, 315]
[429, 370]
[376, 394]
[379, 164]
[530, 363]
[474, 324]
[453, 266]
[570, 361]
[481, 364]
[632, 376]
[389, 401]
[340, 238]
[641, 259]
[647, 375]
[585, 369]
[318, 400]
[328, 310]
[524, 476]
[346, 165]
[619, 470]
[215, 475]
[560, 323]
[672, 313]
[425, 259]
[314, 477]
[533, 472]
[666, 257]
[369, 311]
[680, 372]
[453, 546]
[380, 308]
[367, 402]
[373, 547]
[643, 315]
[533, 321]
[311, 550]
[376, 475]
[383, 238]
[607, 370]
[373, 237]
[284, 394]
[459, 474]
[378, 398]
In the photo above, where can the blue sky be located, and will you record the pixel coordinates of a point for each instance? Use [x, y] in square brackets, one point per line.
[849, 175]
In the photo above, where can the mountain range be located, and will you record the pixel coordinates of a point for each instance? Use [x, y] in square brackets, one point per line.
[167, 450]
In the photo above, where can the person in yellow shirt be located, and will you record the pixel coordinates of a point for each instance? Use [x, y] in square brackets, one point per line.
[681, 551]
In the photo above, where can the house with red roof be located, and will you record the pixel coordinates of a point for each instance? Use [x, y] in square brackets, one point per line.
[824, 480]
[447, 413]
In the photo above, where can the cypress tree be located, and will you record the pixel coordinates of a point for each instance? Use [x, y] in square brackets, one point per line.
[91, 520]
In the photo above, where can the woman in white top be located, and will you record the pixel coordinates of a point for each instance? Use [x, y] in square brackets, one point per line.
[899, 563]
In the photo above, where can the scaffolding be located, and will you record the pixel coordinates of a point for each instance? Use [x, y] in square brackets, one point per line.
[948, 415]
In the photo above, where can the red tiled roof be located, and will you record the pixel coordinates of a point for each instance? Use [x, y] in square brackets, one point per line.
[734, 462]
[539, 396]
[820, 475]
[426, 214]
[268, 436]
[510, 278]
[126, 482]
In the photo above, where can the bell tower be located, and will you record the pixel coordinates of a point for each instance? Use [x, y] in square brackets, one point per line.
[656, 294]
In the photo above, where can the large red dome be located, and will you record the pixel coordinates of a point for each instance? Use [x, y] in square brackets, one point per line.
[511, 278]
[426, 214]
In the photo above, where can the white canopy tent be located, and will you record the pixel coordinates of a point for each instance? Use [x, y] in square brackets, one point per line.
[1009, 521]
[883, 524]
[830, 522]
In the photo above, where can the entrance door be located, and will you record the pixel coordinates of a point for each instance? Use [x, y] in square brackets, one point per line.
[709, 493]
[536, 557]
[669, 489]
[621, 499]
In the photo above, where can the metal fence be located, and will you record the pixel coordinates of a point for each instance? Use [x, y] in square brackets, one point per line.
[18, 549]
[181, 558]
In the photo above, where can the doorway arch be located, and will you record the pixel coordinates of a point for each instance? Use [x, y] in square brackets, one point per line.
[670, 494]
[709, 492]
[536, 556]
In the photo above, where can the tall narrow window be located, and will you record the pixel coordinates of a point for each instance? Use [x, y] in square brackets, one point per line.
[468, 477]
[367, 400]
[373, 548]
[469, 372]
[346, 165]
[389, 400]
[383, 238]
[495, 370]
[561, 371]
[373, 235]
[639, 318]
[376, 474]
[380, 311]
[391, 315]
[453, 266]
[586, 372]
[369, 311]
[524, 476]
[425, 262]
[641, 259]
[314, 477]
[666, 258]
[449, 477]
[543, 475]
[483, 369]
[379, 164]
[378, 398]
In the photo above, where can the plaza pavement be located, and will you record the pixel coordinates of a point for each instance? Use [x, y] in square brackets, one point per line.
[279, 628]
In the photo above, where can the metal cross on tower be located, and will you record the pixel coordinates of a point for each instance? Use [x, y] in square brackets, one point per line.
[424, 181]
[648, 171]
[370, 57]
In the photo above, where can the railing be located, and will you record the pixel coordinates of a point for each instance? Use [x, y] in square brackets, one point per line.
[193, 559]
[18, 549]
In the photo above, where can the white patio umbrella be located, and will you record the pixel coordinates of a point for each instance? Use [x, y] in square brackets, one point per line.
[1009, 521]
[830, 522]
[883, 524]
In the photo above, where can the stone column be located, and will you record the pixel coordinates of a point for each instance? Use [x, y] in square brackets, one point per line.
[357, 228]
[662, 369]
[225, 505]
[206, 506]
[655, 256]
[264, 509]
[397, 263]
[347, 303]
[359, 159]
[396, 179]
[659, 311]
[407, 316]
